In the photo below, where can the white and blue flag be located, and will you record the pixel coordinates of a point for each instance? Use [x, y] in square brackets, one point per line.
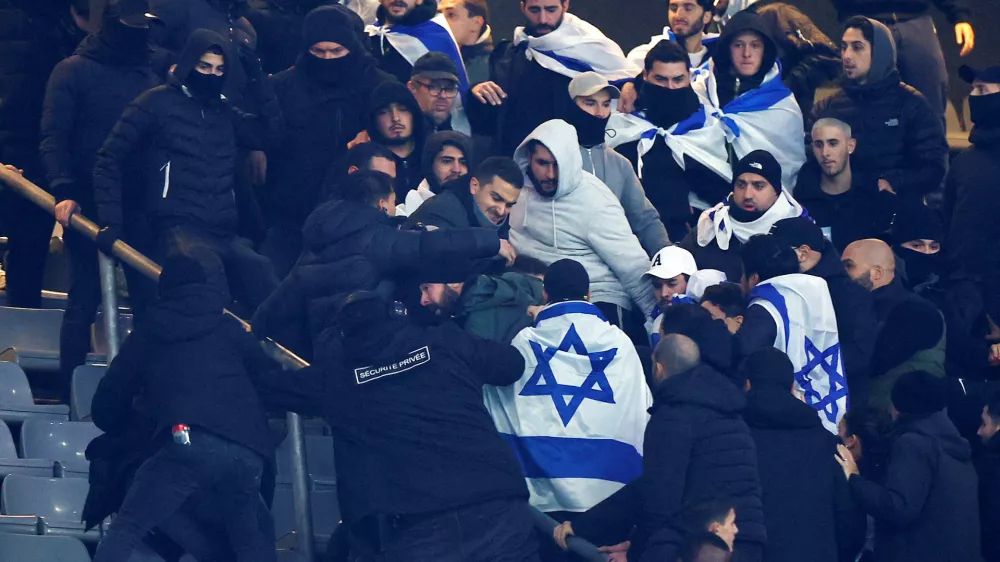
[764, 118]
[638, 54]
[576, 418]
[807, 332]
[575, 47]
[415, 41]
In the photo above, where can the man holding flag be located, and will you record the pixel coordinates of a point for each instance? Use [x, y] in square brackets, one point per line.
[529, 76]
[576, 418]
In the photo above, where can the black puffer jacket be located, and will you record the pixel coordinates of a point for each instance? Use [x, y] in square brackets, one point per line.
[956, 10]
[900, 138]
[928, 509]
[696, 448]
[389, 59]
[86, 96]
[351, 247]
[185, 150]
[792, 443]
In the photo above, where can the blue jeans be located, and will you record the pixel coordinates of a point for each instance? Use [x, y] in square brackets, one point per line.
[491, 531]
[204, 496]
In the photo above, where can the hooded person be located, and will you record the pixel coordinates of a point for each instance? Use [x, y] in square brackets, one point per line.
[86, 94]
[446, 157]
[191, 363]
[554, 219]
[757, 202]
[183, 136]
[917, 234]
[319, 101]
[744, 91]
[901, 141]
[589, 114]
[926, 509]
[393, 118]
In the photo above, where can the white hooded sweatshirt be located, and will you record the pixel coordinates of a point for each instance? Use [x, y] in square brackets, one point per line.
[583, 221]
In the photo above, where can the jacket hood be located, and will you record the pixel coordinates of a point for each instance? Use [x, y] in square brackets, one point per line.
[434, 144]
[940, 428]
[198, 42]
[561, 139]
[775, 408]
[744, 21]
[188, 308]
[883, 54]
[334, 221]
[420, 14]
[393, 92]
[701, 386]
[96, 48]
[510, 289]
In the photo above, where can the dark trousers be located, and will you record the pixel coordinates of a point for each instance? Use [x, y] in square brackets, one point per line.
[921, 62]
[28, 230]
[204, 496]
[491, 531]
[81, 306]
[282, 246]
[630, 321]
[747, 552]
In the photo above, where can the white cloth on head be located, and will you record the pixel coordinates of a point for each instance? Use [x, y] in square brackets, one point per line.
[807, 332]
[638, 54]
[764, 118]
[717, 224]
[577, 46]
[576, 418]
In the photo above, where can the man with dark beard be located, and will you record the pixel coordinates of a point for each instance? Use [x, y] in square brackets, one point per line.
[394, 119]
[688, 19]
[318, 98]
[391, 13]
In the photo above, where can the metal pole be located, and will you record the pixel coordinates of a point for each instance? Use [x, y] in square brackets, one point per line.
[109, 300]
[129, 255]
[576, 545]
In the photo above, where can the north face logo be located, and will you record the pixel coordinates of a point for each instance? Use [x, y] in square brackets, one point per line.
[756, 165]
[892, 122]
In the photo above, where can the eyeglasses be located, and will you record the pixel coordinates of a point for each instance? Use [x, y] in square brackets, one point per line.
[435, 90]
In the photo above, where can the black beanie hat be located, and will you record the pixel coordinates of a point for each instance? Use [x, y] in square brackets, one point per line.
[760, 162]
[332, 23]
[799, 231]
[566, 280]
[768, 367]
[919, 393]
[916, 221]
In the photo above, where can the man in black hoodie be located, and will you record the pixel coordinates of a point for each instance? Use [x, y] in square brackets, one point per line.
[402, 13]
[422, 468]
[901, 142]
[696, 447]
[393, 118]
[319, 102]
[854, 306]
[182, 137]
[800, 482]
[189, 361]
[927, 508]
[86, 95]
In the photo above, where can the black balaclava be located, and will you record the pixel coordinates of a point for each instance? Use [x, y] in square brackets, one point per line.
[985, 111]
[665, 107]
[589, 129]
[123, 38]
[339, 25]
[916, 221]
[202, 86]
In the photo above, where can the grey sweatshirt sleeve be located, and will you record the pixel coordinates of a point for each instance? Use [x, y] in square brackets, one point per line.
[617, 247]
[642, 216]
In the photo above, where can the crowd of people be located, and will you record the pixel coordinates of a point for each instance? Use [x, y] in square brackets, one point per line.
[684, 300]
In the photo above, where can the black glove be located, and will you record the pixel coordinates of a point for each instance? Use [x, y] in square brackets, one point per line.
[107, 237]
[251, 64]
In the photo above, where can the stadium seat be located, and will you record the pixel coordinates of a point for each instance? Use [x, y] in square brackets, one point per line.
[30, 337]
[27, 548]
[11, 464]
[319, 452]
[64, 442]
[16, 401]
[55, 499]
[325, 511]
[287, 556]
[82, 389]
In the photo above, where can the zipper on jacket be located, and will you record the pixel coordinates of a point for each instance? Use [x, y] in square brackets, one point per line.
[166, 178]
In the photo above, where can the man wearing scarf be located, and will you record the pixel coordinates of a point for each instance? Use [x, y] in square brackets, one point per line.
[319, 100]
[756, 203]
[681, 161]
[688, 20]
[529, 76]
[469, 21]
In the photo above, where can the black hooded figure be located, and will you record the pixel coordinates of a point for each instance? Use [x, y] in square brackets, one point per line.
[320, 99]
[409, 168]
[182, 137]
[730, 84]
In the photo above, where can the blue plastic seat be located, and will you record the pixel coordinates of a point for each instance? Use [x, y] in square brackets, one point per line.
[55, 499]
[30, 337]
[16, 402]
[11, 464]
[28, 548]
[82, 389]
[64, 442]
[319, 454]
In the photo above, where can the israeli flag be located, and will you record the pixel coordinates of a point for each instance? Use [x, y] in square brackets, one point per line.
[638, 54]
[765, 118]
[807, 332]
[576, 418]
[415, 41]
[698, 136]
[575, 47]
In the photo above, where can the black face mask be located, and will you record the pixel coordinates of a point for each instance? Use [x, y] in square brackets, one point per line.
[920, 267]
[985, 110]
[331, 71]
[665, 107]
[589, 129]
[204, 86]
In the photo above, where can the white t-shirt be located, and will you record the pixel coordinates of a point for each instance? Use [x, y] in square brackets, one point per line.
[698, 57]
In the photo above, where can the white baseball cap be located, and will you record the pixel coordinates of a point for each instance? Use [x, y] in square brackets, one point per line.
[671, 262]
[703, 279]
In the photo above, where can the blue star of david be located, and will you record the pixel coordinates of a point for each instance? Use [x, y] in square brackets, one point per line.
[599, 361]
[827, 360]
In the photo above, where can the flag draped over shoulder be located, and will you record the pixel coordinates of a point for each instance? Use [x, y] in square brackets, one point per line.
[638, 54]
[575, 47]
[415, 41]
[807, 332]
[576, 418]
